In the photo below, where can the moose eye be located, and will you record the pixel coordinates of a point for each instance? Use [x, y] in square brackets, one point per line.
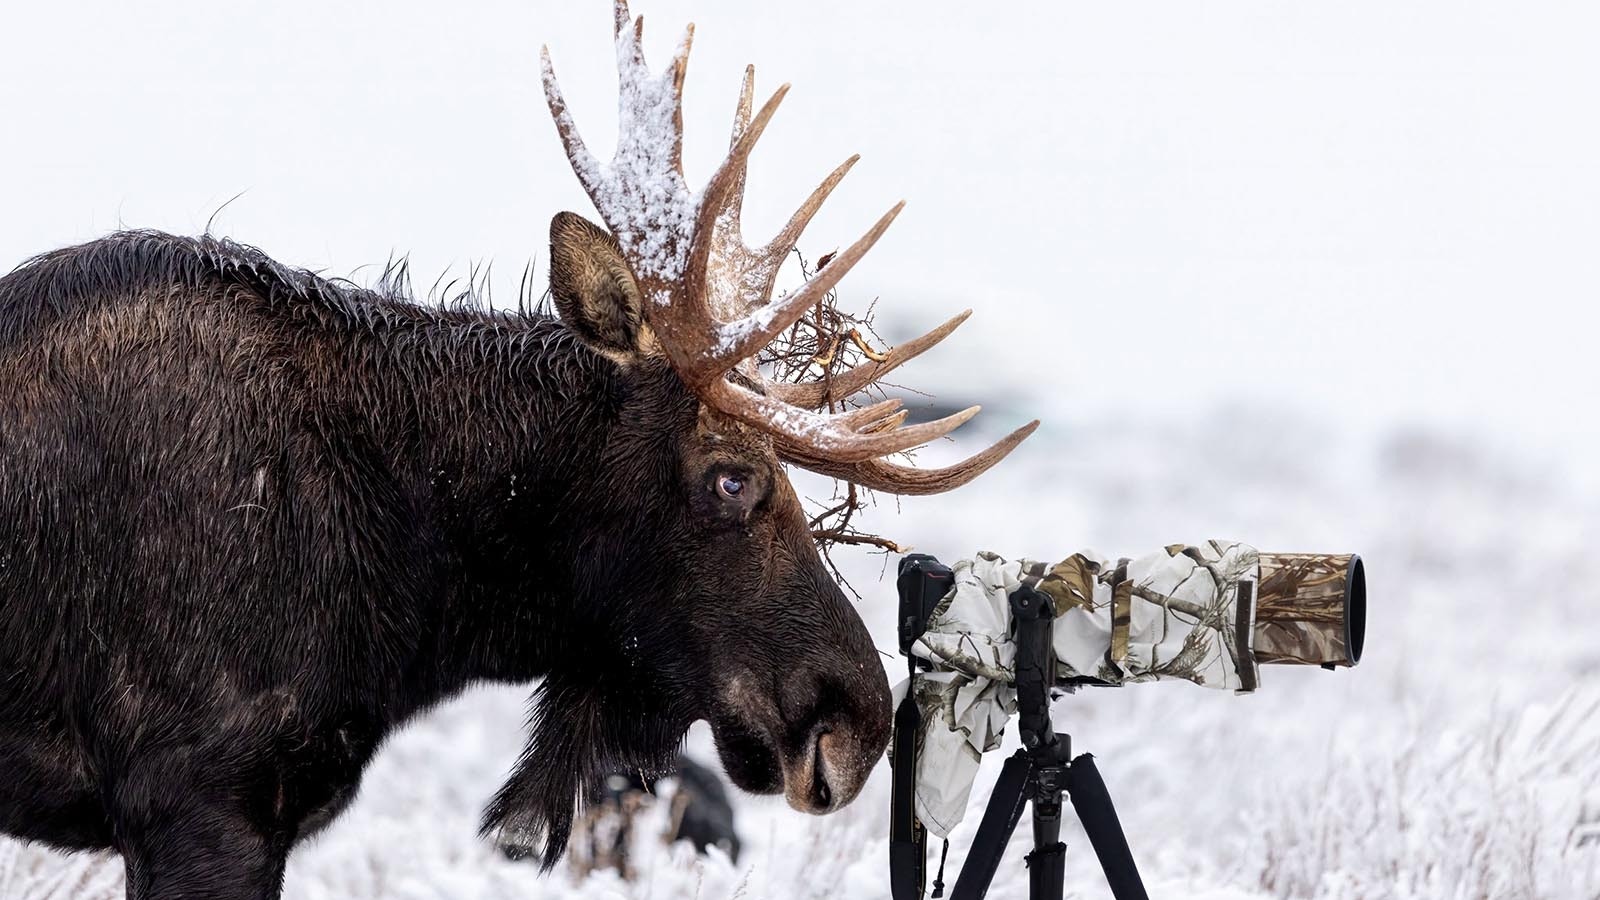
[730, 486]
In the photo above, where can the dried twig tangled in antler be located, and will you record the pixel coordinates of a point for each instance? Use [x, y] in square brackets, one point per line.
[815, 350]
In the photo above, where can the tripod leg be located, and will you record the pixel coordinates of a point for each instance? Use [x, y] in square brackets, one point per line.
[999, 820]
[1048, 862]
[1099, 817]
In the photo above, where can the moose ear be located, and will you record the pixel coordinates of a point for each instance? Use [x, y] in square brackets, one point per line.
[593, 288]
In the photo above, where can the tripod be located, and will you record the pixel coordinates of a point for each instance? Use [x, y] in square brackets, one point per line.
[1040, 773]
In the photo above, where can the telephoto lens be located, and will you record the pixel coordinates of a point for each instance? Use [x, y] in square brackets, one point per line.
[1311, 609]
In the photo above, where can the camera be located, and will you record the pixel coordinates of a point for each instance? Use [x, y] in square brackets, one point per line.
[923, 582]
[987, 638]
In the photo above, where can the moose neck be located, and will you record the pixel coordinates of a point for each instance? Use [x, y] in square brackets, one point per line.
[490, 426]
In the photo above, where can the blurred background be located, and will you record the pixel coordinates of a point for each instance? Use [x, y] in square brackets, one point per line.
[1314, 277]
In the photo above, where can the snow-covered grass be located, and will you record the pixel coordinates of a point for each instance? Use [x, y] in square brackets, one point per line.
[1461, 759]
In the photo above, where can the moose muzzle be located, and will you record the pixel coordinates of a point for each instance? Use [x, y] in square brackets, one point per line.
[815, 739]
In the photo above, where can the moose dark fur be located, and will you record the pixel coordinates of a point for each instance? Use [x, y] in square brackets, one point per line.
[252, 520]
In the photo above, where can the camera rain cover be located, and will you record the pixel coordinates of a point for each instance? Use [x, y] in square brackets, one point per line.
[1207, 614]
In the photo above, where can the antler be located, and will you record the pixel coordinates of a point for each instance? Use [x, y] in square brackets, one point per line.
[709, 296]
[885, 476]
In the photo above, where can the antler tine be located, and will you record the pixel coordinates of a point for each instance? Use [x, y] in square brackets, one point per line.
[620, 20]
[888, 423]
[870, 419]
[778, 248]
[741, 114]
[842, 438]
[680, 68]
[875, 474]
[815, 395]
[730, 174]
[741, 122]
[785, 240]
[584, 164]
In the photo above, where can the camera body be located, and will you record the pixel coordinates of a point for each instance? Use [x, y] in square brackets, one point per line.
[922, 583]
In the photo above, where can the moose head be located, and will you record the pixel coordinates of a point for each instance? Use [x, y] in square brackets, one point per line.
[763, 642]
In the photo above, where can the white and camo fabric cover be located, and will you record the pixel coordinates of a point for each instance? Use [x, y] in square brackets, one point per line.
[1174, 614]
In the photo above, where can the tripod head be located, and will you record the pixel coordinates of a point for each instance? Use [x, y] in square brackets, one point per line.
[1032, 612]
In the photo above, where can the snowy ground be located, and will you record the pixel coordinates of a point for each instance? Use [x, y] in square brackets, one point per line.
[1461, 759]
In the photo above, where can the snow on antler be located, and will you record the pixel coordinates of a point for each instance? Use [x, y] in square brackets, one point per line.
[641, 194]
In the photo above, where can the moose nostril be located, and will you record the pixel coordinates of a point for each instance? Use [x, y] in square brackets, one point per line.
[821, 794]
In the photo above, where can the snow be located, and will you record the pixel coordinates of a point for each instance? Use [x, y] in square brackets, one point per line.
[641, 194]
[737, 332]
[1460, 759]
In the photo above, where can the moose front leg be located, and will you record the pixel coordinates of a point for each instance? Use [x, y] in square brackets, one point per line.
[184, 838]
[204, 851]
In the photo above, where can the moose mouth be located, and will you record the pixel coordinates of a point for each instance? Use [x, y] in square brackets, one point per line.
[755, 763]
[814, 764]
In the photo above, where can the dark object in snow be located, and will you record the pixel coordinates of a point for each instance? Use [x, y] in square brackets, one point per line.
[252, 520]
[705, 817]
[700, 813]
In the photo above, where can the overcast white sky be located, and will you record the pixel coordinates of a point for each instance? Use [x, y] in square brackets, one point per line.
[1373, 211]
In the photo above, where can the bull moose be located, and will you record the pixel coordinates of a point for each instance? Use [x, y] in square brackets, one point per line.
[252, 520]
